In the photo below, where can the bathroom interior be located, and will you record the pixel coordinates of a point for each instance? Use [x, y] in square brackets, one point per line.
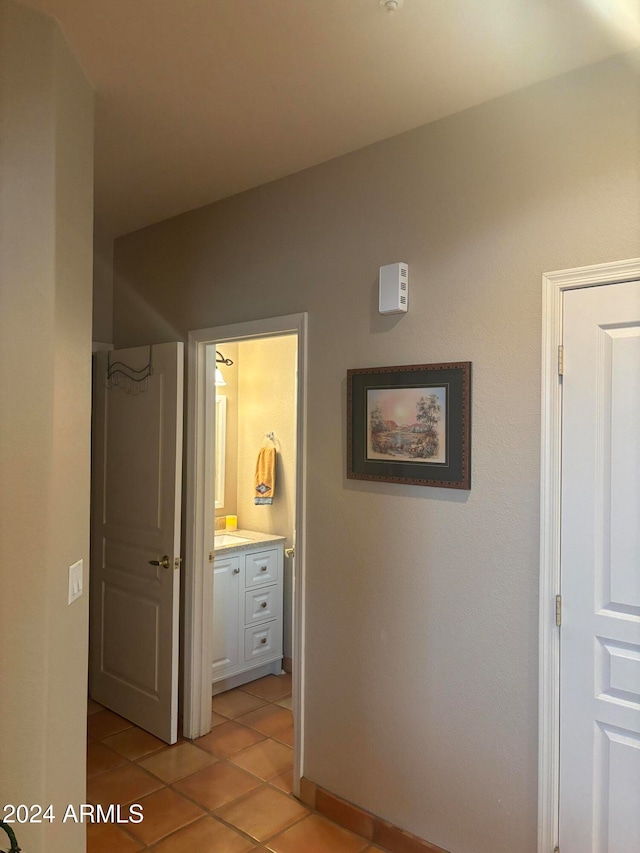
[255, 404]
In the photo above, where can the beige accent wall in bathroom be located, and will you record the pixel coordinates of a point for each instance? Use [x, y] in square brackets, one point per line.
[230, 391]
[422, 604]
[46, 210]
[267, 403]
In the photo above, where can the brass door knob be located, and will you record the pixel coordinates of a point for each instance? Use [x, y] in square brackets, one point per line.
[263, 640]
[263, 568]
[165, 562]
[263, 604]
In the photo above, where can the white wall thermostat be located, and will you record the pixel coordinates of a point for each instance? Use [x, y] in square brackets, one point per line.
[394, 289]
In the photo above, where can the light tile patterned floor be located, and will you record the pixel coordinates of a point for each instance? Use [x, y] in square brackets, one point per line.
[227, 792]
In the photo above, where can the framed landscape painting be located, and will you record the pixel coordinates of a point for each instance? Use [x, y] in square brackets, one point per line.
[410, 424]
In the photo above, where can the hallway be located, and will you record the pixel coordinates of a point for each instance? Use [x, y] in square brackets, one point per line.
[228, 792]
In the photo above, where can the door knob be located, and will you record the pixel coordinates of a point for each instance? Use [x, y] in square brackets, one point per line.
[236, 571]
[165, 562]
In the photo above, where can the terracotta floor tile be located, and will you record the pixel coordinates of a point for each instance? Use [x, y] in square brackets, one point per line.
[93, 707]
[271, 687]
[235, 702]
[265, 760]
[104, 723]
[268, 720]
[217, 785]
[100, 759]
[263, 813]
[285, 735]
[204, 836]
[134, 743]
[283, 781]
[178, 761]
[287, 702]
[216, 719]
[164, 812]
[108, 838]
[315, 834]
[227, 739]
[122, 785]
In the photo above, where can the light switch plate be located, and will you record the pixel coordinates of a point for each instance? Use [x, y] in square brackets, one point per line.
[75, 581]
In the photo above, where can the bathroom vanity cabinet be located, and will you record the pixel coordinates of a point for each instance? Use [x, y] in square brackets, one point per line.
[247, 613]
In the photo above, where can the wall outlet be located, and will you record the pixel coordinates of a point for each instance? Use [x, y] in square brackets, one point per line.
[75, 581]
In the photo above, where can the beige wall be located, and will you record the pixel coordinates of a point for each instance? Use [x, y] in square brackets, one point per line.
[46, 168]
[422, 604]
[267, 403]
[230, 391]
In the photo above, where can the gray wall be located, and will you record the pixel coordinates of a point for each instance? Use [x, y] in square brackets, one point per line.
[422, 604]
[46, 209]
[102, 288]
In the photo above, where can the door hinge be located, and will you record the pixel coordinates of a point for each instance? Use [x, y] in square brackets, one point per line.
[556, 850]
[561, 360]
[558, 610]
[211, 556]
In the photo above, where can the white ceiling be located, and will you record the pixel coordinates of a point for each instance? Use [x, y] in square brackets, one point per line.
[201, 99]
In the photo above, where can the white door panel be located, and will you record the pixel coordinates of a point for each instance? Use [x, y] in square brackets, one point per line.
[600, 572]
[137, 458]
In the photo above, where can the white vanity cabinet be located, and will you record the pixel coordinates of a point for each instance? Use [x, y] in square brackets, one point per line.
[247, 614]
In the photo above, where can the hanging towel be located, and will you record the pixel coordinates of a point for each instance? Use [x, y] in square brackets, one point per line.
[265, 478]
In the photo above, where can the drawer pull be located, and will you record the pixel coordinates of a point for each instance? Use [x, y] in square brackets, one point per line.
[263, 568]
[263, 604]
[263, 640]
[236, 571]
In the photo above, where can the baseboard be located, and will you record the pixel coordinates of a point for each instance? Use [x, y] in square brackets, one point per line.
[287, 664]
[365, 824]
[240, 678]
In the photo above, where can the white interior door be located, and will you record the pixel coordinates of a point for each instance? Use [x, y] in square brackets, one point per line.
[137, 464]
[600, 572]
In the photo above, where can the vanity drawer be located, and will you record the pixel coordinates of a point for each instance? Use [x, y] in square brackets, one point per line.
[263, 641]
[261, 568]
[261, 605]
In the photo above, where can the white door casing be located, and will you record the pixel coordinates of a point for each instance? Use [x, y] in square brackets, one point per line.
[136, 505]
[198, 578]
[600, 572]
[608, 680]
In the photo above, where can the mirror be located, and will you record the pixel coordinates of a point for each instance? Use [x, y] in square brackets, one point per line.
[221, 442]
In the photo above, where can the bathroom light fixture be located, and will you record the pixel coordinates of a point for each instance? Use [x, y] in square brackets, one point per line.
[220, 359]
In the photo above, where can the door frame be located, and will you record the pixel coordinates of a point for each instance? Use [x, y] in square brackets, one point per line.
[554, 284]
[198, 582]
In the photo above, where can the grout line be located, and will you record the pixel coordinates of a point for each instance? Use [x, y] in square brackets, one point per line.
[262, 783]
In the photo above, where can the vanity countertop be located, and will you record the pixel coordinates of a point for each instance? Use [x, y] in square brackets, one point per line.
[256, 540]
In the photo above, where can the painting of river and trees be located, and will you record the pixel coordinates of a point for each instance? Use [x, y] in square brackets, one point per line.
[407, 424]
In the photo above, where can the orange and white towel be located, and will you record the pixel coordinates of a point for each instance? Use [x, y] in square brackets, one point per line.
[265, 476]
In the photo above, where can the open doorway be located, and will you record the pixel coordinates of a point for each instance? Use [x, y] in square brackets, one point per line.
[243, 587]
